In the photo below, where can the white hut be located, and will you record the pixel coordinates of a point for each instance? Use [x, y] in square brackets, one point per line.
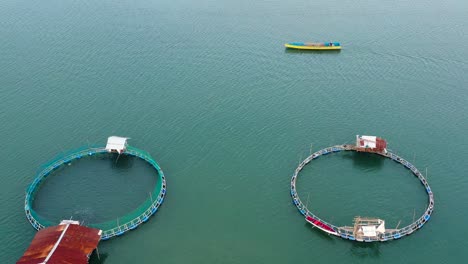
[368, 227]
[116, 144]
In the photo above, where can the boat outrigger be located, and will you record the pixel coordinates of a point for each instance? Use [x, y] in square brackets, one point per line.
[314, 46]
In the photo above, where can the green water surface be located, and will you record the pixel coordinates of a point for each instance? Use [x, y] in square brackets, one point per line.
[208, 89]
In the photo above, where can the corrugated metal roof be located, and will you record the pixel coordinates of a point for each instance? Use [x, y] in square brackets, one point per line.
[371, 142]
[62, 244]
[368, 141]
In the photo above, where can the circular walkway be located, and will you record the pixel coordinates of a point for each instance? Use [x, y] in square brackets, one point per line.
[347, 233]
[111, 228]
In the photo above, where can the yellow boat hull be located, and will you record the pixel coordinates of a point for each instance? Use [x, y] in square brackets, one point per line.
[290, 46]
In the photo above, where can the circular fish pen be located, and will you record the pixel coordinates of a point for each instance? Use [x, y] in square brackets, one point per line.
[365, 229]
[111, 228]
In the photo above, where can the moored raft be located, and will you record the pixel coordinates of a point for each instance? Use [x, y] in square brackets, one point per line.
[314, 45]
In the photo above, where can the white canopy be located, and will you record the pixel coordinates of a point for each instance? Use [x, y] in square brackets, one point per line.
[368, 141]
[115, 143]
[369, 231]
[381, 227]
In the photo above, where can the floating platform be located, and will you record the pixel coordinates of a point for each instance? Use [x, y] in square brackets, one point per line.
[365, 229]
[313, 46]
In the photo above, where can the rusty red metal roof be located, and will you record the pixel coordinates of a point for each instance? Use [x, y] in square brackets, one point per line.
[65, 244]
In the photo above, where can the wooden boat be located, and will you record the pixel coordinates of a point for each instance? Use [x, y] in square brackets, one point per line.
[313, 46]
[321, 225]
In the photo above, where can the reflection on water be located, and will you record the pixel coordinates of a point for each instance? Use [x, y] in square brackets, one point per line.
[364, 250]
[365, 160]
[84, 214]
[121, 161]
[317, 232]
[98, 258]
[297, 51]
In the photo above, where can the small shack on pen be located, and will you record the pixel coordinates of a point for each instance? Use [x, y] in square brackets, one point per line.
[368, 228]
[371, 144]
[116, 144]
[68, 242]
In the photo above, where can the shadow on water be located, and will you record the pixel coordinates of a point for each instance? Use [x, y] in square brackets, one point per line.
[121, 161]
[320, 233]
[95, 259]
[365, 160]
[364, 250]
[297, 51]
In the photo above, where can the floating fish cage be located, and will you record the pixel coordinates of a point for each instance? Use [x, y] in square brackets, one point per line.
[365, 229]
[112, 228]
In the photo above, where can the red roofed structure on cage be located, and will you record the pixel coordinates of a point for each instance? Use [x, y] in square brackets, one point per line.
[66, 243]
[371, 144]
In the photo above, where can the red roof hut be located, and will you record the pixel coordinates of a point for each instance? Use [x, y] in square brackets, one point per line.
[66, 243]
[371, 144]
